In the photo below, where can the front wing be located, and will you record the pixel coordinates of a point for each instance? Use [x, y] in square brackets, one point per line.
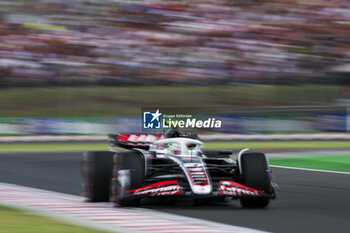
[228, 188]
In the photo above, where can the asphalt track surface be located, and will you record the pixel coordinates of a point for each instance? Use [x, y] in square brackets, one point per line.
[307, 201]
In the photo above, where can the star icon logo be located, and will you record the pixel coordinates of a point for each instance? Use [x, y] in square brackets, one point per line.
[151, 120]
[156, 115]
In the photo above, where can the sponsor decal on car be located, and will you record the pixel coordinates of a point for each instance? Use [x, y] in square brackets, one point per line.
[138, 139]
[232, 188]
[168, 190]
[163, 188]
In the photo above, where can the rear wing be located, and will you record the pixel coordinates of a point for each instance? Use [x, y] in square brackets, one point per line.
[142, 141]
[129, 141]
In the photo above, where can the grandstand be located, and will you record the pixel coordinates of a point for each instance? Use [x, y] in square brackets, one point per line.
[49, 43]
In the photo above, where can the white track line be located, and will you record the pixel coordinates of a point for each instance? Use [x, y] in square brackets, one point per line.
[67, 218]
[105, 216]
[311, 170]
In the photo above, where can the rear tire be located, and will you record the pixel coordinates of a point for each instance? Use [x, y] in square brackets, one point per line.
[135, 163]
[96, 175]
[254, 173]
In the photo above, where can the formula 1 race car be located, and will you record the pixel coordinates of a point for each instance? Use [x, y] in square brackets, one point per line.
[174, 165]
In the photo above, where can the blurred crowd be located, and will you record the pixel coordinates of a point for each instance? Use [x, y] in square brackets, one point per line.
[116, 42]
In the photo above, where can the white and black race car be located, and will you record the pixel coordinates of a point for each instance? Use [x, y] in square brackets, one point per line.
[174, 165]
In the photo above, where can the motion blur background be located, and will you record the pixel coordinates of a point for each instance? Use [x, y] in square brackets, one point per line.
[89, 66]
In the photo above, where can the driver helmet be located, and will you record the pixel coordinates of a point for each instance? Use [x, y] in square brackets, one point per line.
[174, 148]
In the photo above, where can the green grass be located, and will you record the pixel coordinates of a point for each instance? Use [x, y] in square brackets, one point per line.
[208, 145]
[278, 145]
[332, 163]
[53, 147]
[127, 101]
[15, 221]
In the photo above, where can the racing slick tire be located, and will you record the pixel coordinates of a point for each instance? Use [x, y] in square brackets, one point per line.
[133, 163]
[255, 174]
[96, 175]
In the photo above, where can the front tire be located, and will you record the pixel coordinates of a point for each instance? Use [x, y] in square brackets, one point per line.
[132, 163]
[255, 174]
